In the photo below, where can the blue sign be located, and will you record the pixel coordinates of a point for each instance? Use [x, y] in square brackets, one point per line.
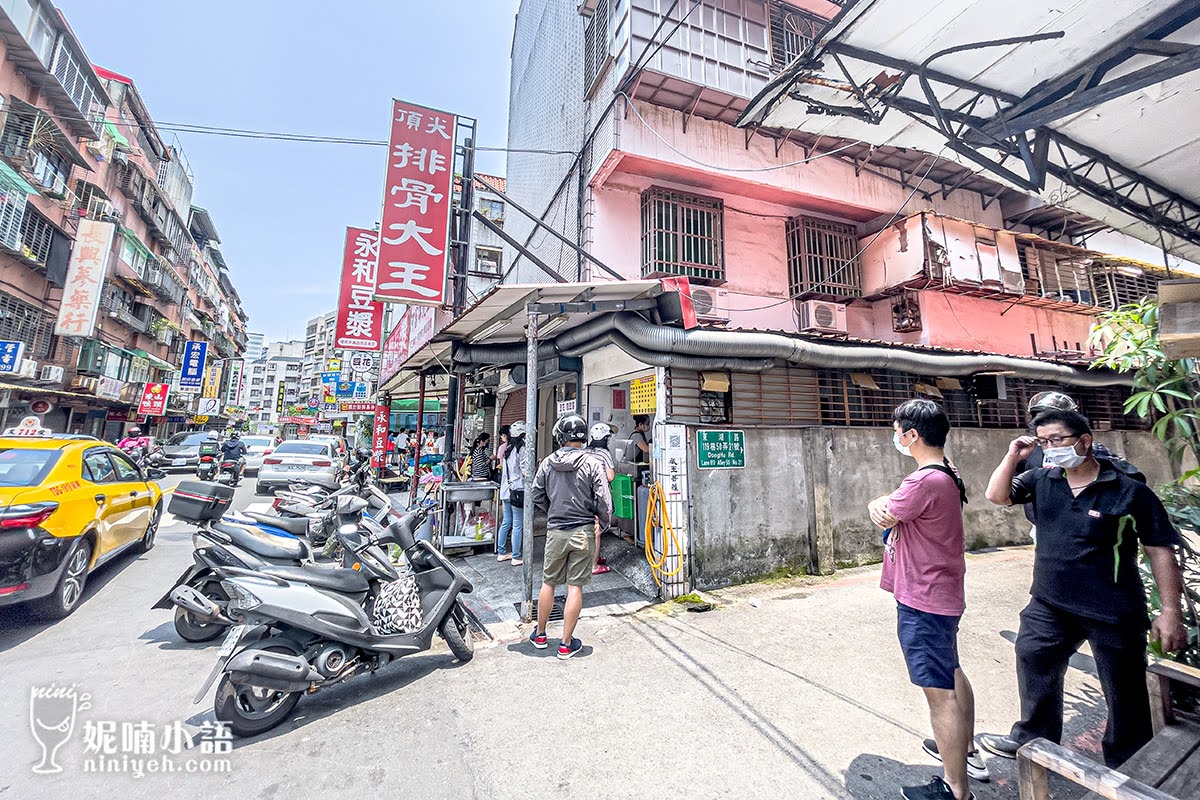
[330, 377]
[176, 419]
[10, 356]
[191, 373]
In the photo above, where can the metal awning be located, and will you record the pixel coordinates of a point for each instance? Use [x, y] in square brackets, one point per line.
[1088, 106]
[63, 144]
[155, 360]
[499, 317]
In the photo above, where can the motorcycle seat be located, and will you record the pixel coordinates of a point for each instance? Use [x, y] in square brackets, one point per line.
[340, 580]
[262, 543]
[297, 526]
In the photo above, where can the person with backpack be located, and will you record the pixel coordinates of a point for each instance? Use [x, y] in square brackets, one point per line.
[924, 568]
[512, 496]
[572, 488]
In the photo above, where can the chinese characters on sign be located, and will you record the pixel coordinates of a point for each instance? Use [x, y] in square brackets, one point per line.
[356, 406]
[85, 279]
[379, 435]
[10, 356]
[154, 400]
[279, 397]
[721, 449]
[233, 392]
[643, 396]
[418, 194]
[359, 318]
[191, 374]
[212, 380]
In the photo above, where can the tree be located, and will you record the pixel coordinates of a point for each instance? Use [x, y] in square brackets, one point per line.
[1165, 392]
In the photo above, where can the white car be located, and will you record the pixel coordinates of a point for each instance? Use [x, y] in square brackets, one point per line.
[256, 448]
[299, 460]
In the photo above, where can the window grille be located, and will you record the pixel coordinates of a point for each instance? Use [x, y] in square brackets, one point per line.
[1058, 276]
[595, 48]
[12, 213]
[73, 80]
[1115, 287]
[822, 258]
[488, 261]
[36, 235]
[792, 32]
[24, 322]
[781, 396]
[682, 234]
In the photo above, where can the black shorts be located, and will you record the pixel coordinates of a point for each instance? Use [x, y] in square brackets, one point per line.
[930, 646]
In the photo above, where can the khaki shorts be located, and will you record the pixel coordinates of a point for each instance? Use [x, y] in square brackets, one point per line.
[569, 556]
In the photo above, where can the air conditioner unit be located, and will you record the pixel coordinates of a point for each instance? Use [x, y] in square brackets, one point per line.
[712, 305]
[818, 315]
[51, 374]
[27, 369]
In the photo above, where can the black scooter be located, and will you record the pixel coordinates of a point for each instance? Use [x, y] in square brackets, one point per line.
[327, 625]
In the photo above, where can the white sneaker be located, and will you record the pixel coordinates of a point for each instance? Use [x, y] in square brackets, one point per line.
[503, 557]
[976, 768]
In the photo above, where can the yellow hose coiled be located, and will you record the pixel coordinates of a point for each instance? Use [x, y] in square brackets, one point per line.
[657, 517]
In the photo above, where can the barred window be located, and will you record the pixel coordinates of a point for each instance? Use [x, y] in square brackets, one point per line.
[682, 234]
[12, 212]
[822, 258]
[488, 261]
[595, 48]
[1118, 286]
[792, 32]
[24, 322]
[36, 235]
[1057, 275]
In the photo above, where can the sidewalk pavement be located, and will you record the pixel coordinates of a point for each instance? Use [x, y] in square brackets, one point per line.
[799, 694]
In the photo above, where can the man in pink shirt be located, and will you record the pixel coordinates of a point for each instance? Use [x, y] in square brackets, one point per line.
[923, 567]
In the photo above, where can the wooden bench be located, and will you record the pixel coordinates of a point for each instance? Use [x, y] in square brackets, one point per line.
[1167, 768]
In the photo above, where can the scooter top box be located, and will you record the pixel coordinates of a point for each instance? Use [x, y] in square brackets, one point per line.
[200, 501]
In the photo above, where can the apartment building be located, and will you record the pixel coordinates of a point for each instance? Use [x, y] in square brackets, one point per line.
[274, 383]
[889, 274]
[101, 277]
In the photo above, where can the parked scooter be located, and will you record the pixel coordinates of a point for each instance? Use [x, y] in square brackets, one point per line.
[327, 625]
[231, 471]
[206, 465]
[254, 542]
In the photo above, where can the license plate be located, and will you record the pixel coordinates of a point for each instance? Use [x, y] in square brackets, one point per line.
[227, 647]
[231, 641]
[179, 462]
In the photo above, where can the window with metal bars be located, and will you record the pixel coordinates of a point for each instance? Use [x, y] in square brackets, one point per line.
[24, 322]
[682, 234]
[36, 235]
[1118, 286]
[781, 396]
[12, 212]
[822, 258]
[1057, 276]
[792, 32]
[595, 48]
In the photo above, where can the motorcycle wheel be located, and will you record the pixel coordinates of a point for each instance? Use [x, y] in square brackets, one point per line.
[191, 629]
[457, 632]
[249, 710]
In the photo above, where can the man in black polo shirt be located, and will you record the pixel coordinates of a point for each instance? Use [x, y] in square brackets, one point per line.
[1090, 520]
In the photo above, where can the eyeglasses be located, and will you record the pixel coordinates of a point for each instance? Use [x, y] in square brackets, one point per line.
[1054, 441]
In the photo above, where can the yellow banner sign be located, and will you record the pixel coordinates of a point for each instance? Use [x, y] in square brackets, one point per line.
[643, 396]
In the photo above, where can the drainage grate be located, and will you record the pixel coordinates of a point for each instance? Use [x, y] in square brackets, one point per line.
[556, 611]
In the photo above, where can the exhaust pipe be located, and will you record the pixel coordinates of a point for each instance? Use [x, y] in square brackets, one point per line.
[195, 603]
[272, 670]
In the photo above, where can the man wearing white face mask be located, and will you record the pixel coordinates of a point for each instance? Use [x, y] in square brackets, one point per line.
[1091, 518]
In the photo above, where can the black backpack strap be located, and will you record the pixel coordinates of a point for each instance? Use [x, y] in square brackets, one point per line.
[962, 487]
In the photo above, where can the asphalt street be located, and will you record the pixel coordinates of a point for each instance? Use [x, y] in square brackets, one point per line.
[784, 690]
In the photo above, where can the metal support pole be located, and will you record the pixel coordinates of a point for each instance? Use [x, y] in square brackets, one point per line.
[529, 464]
[419, 433]
[452, 414]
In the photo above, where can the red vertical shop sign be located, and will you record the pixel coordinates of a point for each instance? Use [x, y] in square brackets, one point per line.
[418, 194]
[359, 317]
[379, 436]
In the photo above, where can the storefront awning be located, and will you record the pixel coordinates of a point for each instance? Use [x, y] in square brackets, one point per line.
[499, 317]
[431, 404]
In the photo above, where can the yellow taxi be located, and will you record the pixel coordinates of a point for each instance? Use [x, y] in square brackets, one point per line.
[67, 505]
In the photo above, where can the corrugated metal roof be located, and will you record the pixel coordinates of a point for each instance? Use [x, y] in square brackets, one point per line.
[1149, 131]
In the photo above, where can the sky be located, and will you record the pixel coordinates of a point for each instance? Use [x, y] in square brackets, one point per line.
[299, 66]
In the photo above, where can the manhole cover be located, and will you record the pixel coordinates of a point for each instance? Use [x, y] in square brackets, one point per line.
[556, 611]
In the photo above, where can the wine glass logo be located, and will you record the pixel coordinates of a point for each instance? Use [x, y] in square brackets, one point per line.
[52, 713]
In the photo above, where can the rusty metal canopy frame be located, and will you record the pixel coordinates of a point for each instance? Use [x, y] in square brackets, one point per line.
[1108, 62]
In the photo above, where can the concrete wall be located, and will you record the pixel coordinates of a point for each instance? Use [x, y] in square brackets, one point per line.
[801, 501]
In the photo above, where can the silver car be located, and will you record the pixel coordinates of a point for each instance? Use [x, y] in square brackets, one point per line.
[298, 460]
[257, 447]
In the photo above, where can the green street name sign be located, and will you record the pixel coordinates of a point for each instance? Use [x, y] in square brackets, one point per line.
[721, 449]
